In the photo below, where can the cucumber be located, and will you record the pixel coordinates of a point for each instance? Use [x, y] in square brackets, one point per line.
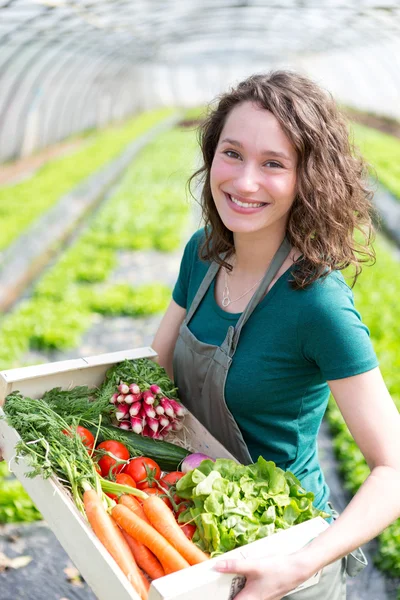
[167, 455]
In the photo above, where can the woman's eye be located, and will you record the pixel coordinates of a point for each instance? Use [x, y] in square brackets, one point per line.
[231, 154]
[273, 164]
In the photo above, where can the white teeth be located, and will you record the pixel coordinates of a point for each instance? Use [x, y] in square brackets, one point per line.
[246, 204]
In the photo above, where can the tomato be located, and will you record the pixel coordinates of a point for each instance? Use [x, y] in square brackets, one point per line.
[107, 462]
[188, 530]
[181, 507]
[85, 434]
[170, 479]
[125, 479]
[152, 491]
[144, 471]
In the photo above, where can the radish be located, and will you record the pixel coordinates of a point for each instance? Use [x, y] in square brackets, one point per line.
[179, 410]
[155, 389]
[152, 423]
[165, 403]
[159, 409]
[166, 429]
[147, 431]
[129, 398]
[122, 412]
[149, 411]
[125, 425]
[113, 399]
[148, 397]
[121, 398]
[164, 421]
[134, 388]
[135, 409]
[123, 388]
[136, 423]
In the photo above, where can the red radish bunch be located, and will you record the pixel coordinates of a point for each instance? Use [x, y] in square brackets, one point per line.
[147, 412]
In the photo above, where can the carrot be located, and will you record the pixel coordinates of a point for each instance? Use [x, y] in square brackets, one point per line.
[144, 558]
[112, 539]
[141, 531]
[163, 520]
[134, 505]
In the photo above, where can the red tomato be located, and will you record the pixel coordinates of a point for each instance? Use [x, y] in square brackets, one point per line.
[152, 491]
[107, 462]
[85, 434]
[125, 479]
[170, 479]
[188, 530]
[144, 471]
[182, 506]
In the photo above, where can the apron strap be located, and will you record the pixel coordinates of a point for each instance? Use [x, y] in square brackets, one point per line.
[201, 292]
[276, 263]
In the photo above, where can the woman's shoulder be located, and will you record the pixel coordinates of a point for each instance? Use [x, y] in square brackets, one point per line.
[324, 294]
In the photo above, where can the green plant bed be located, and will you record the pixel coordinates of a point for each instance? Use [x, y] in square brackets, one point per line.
[376, 297]
[148, 211]
[382, 151]
[22, 203]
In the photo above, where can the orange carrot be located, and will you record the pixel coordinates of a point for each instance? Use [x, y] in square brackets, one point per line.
[141, 531]
[112, 539]
[162, 519]
[133, 504]
[144, 558]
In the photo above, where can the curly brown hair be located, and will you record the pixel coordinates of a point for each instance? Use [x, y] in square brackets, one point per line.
[333, 200]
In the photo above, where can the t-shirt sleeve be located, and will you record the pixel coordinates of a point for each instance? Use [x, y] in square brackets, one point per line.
[332, 335]
[180, 291]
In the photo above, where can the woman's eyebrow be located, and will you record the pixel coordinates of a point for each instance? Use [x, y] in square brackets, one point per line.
[264, 152]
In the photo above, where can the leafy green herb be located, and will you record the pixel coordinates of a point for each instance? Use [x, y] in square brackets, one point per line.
[47, 449]
[15, 504]
[235, 504]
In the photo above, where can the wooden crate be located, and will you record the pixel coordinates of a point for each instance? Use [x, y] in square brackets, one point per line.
[95, 564]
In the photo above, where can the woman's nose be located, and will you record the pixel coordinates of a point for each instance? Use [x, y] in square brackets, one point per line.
[248, 179]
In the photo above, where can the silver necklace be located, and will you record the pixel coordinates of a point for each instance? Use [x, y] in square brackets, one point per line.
[226, 299]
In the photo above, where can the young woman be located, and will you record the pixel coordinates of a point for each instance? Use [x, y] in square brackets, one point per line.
[262, 326]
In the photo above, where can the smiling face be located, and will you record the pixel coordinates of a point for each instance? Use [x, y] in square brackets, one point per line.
[253, 174]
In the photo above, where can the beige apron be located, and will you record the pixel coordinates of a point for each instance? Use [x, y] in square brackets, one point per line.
[200, 372]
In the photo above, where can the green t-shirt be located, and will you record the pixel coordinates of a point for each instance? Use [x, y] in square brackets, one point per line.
[292, 344]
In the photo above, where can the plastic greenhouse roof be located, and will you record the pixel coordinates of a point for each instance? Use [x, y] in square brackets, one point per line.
[183, 30]
[71, 65]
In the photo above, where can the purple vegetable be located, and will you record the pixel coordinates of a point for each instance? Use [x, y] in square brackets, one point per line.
[193, 460]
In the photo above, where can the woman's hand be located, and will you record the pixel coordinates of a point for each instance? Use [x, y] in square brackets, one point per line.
[269, 578]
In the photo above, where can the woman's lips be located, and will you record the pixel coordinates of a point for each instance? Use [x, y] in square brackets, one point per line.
[244, 209]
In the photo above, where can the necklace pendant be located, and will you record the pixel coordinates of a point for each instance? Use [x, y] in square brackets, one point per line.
[225, 297]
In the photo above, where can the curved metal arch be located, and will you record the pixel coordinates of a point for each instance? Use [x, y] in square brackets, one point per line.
[89, 89]
[62, 76]
[33, 84]
[79, 93]
[19, 76]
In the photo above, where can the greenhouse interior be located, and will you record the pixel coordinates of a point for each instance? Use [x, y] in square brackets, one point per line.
[103, 108]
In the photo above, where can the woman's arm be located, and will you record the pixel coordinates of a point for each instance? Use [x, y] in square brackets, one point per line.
[167, 334]
[374, 422]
